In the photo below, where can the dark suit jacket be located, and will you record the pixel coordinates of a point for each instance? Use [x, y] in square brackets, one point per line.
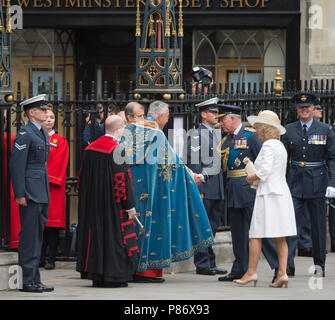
[28, 164]
[310, 182]
[203, 158]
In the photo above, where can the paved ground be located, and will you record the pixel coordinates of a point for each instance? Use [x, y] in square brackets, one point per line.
[188, 286]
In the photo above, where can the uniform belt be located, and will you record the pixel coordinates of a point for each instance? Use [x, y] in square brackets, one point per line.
[308, 164]
[237, 173]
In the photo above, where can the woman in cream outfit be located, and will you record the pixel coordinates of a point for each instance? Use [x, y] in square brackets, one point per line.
[273, 214]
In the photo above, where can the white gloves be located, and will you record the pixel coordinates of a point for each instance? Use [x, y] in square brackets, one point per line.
[330, 192]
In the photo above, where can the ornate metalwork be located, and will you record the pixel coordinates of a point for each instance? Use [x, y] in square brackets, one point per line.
[5, 53]
[159, 50]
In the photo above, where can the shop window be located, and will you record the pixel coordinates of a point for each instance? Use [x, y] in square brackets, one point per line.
[241, 56]
[43, 57]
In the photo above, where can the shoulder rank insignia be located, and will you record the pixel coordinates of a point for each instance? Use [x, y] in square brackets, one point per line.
[16, 145]
[22, 133]
[250, 129]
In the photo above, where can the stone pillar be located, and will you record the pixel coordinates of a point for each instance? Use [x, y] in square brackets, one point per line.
[7, 260]
[317, 39]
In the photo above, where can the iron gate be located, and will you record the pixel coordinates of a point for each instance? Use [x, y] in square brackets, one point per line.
[72, 112]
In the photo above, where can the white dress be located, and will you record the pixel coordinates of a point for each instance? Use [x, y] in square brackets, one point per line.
[273, 214]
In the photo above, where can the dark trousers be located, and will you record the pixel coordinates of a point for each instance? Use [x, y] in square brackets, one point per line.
[240, 225]
[33, 219]
[331, 222]
[317, 214]
[50, 244]
[305, 238]
[205, 258]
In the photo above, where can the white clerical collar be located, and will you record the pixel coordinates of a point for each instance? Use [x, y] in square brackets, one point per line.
[238, 130]
[109, 135]
[51, 132]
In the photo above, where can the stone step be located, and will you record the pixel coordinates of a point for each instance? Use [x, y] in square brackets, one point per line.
[8, 268]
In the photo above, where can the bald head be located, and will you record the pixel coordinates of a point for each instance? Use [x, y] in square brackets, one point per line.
[113, 124]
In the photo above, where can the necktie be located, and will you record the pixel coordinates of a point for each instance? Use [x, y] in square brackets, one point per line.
[304, 129]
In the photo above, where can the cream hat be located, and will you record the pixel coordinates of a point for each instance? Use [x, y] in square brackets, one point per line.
[267, 117]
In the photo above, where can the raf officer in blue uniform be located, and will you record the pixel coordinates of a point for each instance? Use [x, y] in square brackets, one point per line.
[30, 182]
[239, 144]
[310, 146]
[203, 159]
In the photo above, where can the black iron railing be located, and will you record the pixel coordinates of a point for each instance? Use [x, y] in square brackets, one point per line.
[72, 114]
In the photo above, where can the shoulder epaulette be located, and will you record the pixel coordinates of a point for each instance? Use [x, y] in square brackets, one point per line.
[250, 129]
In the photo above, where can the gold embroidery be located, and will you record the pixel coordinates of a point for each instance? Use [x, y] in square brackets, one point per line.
[148, 214]
[144, 196]
[152, 264]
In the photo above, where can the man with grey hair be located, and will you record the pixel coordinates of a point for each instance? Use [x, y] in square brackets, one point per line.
[167, 200]
[159, 111]
[240, 143]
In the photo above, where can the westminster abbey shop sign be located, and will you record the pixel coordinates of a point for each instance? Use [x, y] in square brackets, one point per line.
[126, 4]
[54, 13]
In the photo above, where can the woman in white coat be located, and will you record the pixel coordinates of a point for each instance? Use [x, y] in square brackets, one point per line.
[273, 214]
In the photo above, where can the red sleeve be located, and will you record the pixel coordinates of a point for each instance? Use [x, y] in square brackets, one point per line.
[58, 160]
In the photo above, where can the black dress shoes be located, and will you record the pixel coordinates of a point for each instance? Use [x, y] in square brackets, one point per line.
[31, 288]
[109, 284]
[141, 279]
[319, 273]
[206, 272]
[44, 288]
[230, 277]
[220, 271]
[49, 265]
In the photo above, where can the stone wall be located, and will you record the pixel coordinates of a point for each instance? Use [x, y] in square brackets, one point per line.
[317, 39]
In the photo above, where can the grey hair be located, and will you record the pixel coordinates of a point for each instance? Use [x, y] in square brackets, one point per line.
[233, 115]
[157, 107]
[129, 109]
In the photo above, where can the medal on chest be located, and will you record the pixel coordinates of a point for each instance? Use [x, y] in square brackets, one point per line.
[54, 143]
[317, 139]
[241, 143]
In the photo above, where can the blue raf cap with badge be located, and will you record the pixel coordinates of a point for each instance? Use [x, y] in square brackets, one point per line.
[225, 109]
[305, 99]
[35, 102]
[209, 105]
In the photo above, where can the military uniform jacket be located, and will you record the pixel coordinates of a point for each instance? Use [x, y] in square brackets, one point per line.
[239, 193]
[318, 145]
[202, 158]
[28, 164]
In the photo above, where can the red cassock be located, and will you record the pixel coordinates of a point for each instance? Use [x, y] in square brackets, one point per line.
[57, 164]
[14, 207]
